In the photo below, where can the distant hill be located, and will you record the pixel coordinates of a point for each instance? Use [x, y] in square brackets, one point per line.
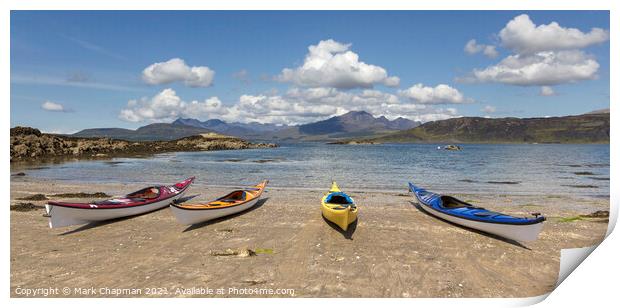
[247, 130]
[151, 132]
[606, 110]
[354, 124]
[586, 128]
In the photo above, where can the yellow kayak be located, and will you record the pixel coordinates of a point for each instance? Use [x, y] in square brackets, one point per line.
[338, 207]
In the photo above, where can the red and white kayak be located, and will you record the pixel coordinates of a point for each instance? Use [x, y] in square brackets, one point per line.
[62, 214]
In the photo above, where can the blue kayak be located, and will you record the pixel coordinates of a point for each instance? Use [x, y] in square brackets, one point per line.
[462, 213]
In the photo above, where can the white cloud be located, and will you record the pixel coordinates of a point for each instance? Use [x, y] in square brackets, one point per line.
[242, 76]
[332, 64]
[176, 70]
[472, 47]
[167, 106]
[490, 51]
[543, 68]
[546, 91]
[51, 106]
[523, 36]
[488, 109]
[543, 55]
[440, 94]
[296, 106]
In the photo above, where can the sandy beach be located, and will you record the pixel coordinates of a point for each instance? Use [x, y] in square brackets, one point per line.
[395, 250]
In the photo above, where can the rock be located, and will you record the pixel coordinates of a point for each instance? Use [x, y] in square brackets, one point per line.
[29, 143]
[21, 130]
[19, 174]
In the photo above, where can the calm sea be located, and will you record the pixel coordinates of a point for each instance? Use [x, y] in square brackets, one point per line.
[518, 169]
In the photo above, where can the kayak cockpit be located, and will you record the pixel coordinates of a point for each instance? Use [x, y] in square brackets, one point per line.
[453, 203]
[146, 193]
[338, 198]
[235, 196]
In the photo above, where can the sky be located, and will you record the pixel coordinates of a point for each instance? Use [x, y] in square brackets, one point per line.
[84, 69]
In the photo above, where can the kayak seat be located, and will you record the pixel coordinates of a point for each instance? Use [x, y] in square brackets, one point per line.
[453, 203]
[147, 193]
[239, 195]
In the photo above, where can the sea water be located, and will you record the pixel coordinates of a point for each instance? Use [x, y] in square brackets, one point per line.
[478, 168]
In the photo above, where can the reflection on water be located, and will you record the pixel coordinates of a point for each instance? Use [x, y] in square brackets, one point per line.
[529, 169]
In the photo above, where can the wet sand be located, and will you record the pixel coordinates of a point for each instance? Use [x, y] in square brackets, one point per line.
[395, 250]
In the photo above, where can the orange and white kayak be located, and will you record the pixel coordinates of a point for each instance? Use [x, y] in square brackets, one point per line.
[232, 203]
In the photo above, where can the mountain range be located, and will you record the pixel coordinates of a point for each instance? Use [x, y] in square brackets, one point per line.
[349, 125]
[247, 130]
[363, 127]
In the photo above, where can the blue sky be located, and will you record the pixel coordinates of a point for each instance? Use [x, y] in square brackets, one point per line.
[75, 70]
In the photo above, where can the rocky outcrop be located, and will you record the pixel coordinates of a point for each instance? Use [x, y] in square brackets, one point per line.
[29, 143]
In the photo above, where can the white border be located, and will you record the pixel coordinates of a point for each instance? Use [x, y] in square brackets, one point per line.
[593, 283]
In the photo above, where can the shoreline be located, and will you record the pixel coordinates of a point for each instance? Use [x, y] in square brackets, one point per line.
[404, 189]
[29, 143]
[395, 250]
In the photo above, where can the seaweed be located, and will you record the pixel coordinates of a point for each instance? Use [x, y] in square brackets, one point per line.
[81, 195]
[583, 173]
[468, 181]
[597, 214]
[581, 186]
[25, 207]
[504, 182]
[233, 252]
[268, 251]
[35, 197]
[571, 219]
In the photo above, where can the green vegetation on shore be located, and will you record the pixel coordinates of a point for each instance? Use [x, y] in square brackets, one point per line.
[586, 128]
